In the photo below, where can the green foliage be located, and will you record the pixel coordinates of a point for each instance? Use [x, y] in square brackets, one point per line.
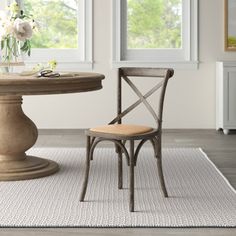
[151, 23]
[26, 47]
[57, 21]
[154, 23]
[232, 41]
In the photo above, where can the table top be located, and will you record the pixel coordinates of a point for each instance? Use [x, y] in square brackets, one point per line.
[72, 82]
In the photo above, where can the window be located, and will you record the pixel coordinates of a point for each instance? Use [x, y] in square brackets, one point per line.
[58, 23]
[155, 31]
[65, 31]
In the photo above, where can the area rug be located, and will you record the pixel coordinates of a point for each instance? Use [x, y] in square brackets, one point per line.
[199, 194]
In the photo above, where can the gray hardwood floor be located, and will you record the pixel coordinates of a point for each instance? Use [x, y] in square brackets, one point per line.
[220, 148]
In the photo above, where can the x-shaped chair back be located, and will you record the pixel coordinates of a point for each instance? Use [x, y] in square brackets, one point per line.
[125, 74]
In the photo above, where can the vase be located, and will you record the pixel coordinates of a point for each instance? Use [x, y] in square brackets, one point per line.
[10, 56]
[6, 68]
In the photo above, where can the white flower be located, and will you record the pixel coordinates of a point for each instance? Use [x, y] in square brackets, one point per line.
[9, 27]
[3, 16]
[6, 27]
[22, 29]
[14, 7]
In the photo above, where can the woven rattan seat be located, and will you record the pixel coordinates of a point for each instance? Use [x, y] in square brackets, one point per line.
[122, 129]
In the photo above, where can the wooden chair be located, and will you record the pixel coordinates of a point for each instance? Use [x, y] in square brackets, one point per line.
[119, 133]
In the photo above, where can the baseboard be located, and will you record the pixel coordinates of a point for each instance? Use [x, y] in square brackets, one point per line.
[61, 131]
[81, 131]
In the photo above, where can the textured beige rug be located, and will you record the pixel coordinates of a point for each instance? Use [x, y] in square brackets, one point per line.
[199, 195]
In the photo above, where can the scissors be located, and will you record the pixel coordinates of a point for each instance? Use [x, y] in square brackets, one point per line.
[48, 74]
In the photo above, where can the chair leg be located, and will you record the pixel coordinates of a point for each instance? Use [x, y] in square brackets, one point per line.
[88, 159]
[161, 177]
[120, 169]
[160, 170]
[91, 143]
[131, 203]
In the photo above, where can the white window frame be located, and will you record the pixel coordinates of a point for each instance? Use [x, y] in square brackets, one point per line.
[70, 59]
[186, 57]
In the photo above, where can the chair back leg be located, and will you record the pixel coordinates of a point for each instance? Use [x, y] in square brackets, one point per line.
[120, 169]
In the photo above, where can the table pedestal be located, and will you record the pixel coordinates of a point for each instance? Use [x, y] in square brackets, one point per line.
[17, 134]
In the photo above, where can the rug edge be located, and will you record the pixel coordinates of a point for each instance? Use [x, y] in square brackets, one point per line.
[217, 169]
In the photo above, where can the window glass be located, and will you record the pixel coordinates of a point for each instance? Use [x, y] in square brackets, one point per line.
[232, 24]
[154, 24]
[58, 23]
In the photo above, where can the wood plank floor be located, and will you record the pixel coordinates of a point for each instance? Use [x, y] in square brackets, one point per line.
[220, 148]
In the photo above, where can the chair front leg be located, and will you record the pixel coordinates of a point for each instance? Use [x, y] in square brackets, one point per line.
[88, 159]
[160, 170]
[131, 203]
[155, 146]
[91, 143]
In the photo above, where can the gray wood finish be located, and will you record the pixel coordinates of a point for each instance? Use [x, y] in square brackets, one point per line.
[131, 176]
[220, 148]
[154, 136]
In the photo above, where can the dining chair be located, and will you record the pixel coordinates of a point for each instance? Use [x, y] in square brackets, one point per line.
[120, 133]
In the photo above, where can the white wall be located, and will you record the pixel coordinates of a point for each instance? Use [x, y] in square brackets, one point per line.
[190, 100]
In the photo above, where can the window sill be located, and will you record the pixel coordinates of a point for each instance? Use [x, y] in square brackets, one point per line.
[65, 66]
[183, 65]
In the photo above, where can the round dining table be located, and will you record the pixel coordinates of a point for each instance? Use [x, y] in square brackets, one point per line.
[18, 133]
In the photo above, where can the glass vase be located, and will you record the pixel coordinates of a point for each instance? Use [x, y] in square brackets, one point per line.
[10, 55]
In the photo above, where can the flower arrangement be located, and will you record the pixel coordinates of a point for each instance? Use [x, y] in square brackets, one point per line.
[16, 30]
[52, 64]
[40, 67]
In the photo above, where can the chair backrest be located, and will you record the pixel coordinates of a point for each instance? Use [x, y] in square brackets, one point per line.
[125, 73]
